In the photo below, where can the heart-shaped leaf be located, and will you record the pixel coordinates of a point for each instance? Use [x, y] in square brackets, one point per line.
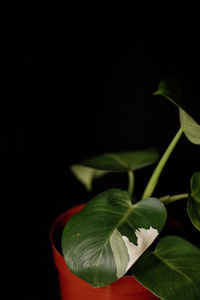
[102, 242]
[123, 161]
[171, 90]
[172, 270]
[193, 206]
[95, 167]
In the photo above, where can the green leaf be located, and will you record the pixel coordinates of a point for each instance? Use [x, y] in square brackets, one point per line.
[195, 186]
[86, 175]
[171, 90]
[172, 270]
[122, 161]
[190, 127]
[101, 242]
[193, 209]
[193, 206]
[95, 167]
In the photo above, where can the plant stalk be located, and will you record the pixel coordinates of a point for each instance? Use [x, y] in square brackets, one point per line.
[156, 174]
[168, 199]
[130, 183]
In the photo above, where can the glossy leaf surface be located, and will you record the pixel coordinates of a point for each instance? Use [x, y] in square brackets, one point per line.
[193, 206]
[171, 90]
[101, 242]
[172, 270]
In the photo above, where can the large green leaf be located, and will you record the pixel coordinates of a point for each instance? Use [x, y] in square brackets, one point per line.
[122, 161]
[172, 270]
[171, 90]
[101, 242]
[193, 206]
[95, 167]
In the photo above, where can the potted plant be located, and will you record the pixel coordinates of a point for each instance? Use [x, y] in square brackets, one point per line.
[112, 245]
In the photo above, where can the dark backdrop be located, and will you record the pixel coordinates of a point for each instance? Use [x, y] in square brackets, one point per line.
[69, 97]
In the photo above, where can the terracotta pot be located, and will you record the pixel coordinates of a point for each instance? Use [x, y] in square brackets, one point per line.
[73, 288]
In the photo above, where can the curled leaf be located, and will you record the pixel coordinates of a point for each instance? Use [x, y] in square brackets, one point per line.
[86, 175]
[193, 206]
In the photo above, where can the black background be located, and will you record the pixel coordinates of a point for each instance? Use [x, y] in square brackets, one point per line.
[68, 97]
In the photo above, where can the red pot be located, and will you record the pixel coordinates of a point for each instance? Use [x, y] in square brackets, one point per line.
[73, 288]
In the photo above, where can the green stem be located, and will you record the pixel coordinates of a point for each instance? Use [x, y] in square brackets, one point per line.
[156, 174]
[130, 182]
[168, 199]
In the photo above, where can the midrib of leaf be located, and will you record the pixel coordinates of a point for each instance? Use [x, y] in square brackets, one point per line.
[182, 118]
[121, 221]
[175, 269]
[166, 96]
[118, 159]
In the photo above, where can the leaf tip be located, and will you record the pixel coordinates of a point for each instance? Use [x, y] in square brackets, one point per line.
[156, 93]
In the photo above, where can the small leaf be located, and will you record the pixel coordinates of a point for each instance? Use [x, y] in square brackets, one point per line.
[193, 206]
[122, 161]
[171, 90]
[172, 270]
[190, 127]
[86, 175]
[101, 242]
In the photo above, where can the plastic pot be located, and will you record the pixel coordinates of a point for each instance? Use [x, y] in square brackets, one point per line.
[73, 288]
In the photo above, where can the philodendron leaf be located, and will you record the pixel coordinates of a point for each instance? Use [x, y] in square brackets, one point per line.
[104, 240]
[193, 206]
[195, 186]
[86, 175]
[123, 161]
[190, 127]
[171, 90]
[87, 170]
[172, 270]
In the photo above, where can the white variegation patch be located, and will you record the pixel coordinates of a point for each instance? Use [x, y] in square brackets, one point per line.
[145, 238]
[125, 252]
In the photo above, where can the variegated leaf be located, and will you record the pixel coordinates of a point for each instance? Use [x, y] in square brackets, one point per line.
[104, 240]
